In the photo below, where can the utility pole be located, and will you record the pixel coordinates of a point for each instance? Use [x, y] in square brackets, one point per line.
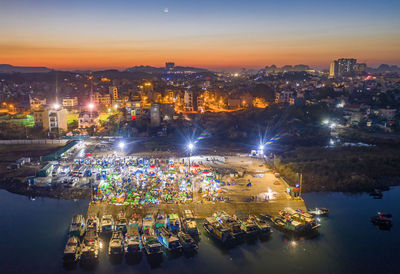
[301, 182]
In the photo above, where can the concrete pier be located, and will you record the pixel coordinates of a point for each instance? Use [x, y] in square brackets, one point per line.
[200, 210]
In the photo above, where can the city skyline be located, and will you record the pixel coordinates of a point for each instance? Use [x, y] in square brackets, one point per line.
[223, 35]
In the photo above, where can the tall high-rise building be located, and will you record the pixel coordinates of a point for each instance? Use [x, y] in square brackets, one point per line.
[333, 69]
[342, 67]
[113, 90]
[346, 66]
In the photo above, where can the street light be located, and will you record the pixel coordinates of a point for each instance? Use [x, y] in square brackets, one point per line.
[190, 147]
[261, 149]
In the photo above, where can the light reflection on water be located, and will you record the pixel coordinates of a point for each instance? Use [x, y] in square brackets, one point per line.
[348, 242]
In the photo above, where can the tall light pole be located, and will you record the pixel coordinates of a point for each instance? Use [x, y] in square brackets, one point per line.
[261, 150]
[121, 146]
[190, 147]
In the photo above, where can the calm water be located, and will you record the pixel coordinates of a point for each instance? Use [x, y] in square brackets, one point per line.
[33, 235]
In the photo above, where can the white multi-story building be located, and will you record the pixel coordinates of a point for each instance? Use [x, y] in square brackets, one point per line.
[70, 102]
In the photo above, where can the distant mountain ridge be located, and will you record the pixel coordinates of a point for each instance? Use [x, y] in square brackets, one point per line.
[150, 69]
[384, 68]
[299, 67]
[6, 68]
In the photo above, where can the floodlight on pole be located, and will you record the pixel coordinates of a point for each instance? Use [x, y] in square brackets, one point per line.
[190, 147]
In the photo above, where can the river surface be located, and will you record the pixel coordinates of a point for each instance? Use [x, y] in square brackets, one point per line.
[34, 232]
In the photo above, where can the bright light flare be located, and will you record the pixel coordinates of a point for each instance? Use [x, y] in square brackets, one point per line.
[121, 145]
[91, 106]
[190, 146]
[56, 106]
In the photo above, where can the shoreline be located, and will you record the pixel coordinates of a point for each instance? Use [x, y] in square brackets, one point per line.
[17, 186]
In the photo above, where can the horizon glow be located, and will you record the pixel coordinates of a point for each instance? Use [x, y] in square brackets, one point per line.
[225, 35]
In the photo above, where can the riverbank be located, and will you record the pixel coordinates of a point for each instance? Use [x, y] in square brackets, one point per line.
[341, 169]
[19, 186]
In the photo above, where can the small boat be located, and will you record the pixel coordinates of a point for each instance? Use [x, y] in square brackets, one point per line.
[93, 223]
[160, 220]
[77, 227]
[173, 223]
[382, 219]
[217, 231]
[376, 194]
[72, 250]
[187, 242]
[91, 247]
[319, 211]
[133, 244]
[120, 224]
[263, 227]
[116, 245]
[148, 221]
[306, 220]
[189, 224]
[248, 226]
[151, 245]
[292, 226]
[107, 224]
[168, 240]
[230, 223]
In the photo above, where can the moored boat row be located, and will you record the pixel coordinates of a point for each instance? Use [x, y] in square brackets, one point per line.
[156, 234]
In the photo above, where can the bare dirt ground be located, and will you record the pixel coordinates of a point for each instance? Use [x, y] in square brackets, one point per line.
[10, 153]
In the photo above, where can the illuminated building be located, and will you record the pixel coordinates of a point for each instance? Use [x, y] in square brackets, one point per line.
[113, 90]
[36, 103]
[104, 100]
[346, 66]
[342, 67]
[189, 101]
[333, 72]
[146, 88]
[88, 119]
[70, 102]
[51, 119]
